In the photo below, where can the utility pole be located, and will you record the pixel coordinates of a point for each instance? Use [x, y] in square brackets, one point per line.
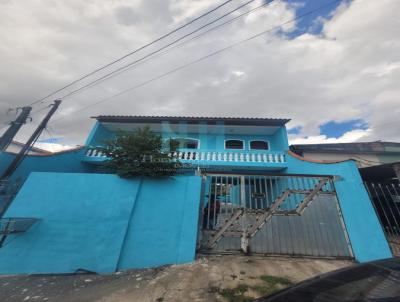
[22, 153]
[8, 136]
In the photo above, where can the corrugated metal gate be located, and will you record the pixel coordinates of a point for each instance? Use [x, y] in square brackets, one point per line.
[386, 201]
[272, 214]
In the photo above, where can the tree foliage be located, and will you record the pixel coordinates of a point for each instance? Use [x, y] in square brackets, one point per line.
[141, 153]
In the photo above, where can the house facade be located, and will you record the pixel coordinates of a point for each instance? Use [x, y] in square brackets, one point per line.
[206, 143]
[241, 190]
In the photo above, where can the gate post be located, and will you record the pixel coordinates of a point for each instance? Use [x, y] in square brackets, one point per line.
[244, 239]
[242, 192]
[201, 210]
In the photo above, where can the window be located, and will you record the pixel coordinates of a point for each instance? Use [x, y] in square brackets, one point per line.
[259, 145]
[187, 143]
[233, 144]
[191, 145]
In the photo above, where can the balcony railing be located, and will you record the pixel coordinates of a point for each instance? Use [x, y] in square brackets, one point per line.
[190, 155]
[96, 153]
[228, 156]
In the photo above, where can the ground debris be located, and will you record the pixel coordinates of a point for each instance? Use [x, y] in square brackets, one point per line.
[225, 278]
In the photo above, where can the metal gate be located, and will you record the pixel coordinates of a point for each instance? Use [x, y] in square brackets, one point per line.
[386, 201]
[272, 214]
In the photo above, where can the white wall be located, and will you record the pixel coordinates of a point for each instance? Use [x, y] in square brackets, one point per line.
[15, 148]
[363, 160]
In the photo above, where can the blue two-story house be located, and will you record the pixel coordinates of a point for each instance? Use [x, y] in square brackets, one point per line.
[229, 143]
[241, 191]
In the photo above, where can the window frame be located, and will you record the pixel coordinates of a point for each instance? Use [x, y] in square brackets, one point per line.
[233, 139]
[188, 138]
[260, 140]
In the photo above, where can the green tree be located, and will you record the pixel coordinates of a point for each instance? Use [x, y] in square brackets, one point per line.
[141, 153]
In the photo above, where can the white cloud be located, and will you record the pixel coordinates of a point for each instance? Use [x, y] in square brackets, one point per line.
[349, 71]
[184, 9]
[54, 147]
[347, 137]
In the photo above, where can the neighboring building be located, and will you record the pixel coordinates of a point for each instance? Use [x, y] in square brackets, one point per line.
[241, 190]
[15, 147]
[378, 161]
[366, 154]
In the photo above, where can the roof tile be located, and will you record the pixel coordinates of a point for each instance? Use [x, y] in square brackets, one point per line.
[250, 121]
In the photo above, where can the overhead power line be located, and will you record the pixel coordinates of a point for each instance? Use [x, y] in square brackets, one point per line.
[205, 57]
[125, 67]
[169, 47]
[130, 53]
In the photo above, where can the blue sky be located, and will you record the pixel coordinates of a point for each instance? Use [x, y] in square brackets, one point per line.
[333, 129]
[336, 129]
[51, 140]
[328, 82]
[310, 23]
[295, 130]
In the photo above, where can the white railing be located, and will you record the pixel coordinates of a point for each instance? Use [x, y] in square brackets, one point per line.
[243, 156]
[93, 152]
[214, 156]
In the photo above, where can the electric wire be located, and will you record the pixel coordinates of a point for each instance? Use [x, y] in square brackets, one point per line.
[203, 58]
[130, 53]
[148, 57]
[124, 68]
[135, 64]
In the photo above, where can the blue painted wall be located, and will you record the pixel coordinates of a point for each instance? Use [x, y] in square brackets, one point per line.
[166, 211]
[66, 162]
[366, 236]
[83, 218]
[208, 141]
[163, 227]
[93, 221]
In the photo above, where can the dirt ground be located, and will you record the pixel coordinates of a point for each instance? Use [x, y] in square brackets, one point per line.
[210, 278]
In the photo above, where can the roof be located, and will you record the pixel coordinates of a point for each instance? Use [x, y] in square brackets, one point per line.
[379, 173]
[317, 161]
[34, 149]
[362, 147]
[48, 153]
[242, 121]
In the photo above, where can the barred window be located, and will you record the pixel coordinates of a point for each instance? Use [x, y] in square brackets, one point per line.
[187, 143]
[259, 145]
[233, 144]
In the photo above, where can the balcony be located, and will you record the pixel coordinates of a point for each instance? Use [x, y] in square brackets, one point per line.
[268, 160]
